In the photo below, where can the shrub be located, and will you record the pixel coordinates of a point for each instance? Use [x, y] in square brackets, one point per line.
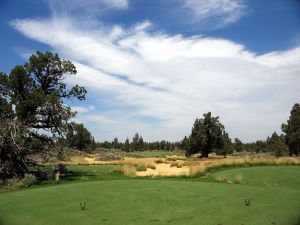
[222, 179]
[28, 180]
[129, 171]
[238, 179]
[159, 161]
[151, 167]
[141, 167]
[13, 184]
[172, 159]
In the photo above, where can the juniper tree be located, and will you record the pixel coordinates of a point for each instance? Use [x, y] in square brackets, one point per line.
[79, 137]
[292, 131]
[207, 134]
[276, 145]
[33, 110]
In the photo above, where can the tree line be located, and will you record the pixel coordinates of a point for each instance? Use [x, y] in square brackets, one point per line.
[138, 144]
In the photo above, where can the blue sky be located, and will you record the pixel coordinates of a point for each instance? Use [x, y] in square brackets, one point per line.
[153, 66]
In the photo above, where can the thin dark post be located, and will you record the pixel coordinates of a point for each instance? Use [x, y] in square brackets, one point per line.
[82, 205]
[247, 201]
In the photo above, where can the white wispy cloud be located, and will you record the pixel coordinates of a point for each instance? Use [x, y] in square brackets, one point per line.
[171, 79]
[85, 8]
[224, 11]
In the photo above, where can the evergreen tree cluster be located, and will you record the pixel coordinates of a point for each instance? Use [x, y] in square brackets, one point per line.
[138, 144]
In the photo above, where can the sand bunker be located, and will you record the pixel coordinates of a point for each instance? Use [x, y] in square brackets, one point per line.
[164, 169]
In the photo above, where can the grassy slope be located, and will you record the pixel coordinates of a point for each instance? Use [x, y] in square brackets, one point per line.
[160, 201]
[274, 176]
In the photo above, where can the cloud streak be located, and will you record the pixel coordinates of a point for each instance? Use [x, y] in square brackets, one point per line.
[172, 79]
[86, 9]
[224, 11]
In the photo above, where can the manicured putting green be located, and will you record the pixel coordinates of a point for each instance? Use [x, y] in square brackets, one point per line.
[161, 202]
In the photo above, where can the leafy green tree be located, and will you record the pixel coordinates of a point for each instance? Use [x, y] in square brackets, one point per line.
[276, 145]
[79, 137]
[292, 131]
[126, 146]
[32, 110]
[207, 134]
[238, 145]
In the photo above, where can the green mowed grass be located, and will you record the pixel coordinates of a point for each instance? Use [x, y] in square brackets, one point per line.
[147, 202]
[276, 176]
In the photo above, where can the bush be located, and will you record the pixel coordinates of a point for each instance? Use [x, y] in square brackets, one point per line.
[129, 171]
[222, 179]
[238, 179]
[152, 167]
[159, 161]
[13, 184]
[141, 167]
[28, 180]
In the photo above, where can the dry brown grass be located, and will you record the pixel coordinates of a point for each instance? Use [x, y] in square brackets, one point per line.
[129, 171]
[256, 161]
[200, 166]
[148, 162]
[179, 165]
[197, 170]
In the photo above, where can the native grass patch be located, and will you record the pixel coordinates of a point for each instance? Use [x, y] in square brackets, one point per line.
[178, 165]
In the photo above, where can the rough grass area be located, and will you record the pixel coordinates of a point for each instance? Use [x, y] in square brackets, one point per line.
[161, 202]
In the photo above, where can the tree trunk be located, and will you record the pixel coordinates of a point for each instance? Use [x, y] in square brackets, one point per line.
[204, 154]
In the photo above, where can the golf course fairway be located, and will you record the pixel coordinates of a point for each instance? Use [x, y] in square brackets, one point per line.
[161, 202]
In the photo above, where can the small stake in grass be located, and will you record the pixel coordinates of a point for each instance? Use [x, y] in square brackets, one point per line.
[82, 205]
[247, 201]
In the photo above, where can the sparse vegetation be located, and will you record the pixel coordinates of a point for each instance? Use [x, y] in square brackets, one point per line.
[28, 180]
